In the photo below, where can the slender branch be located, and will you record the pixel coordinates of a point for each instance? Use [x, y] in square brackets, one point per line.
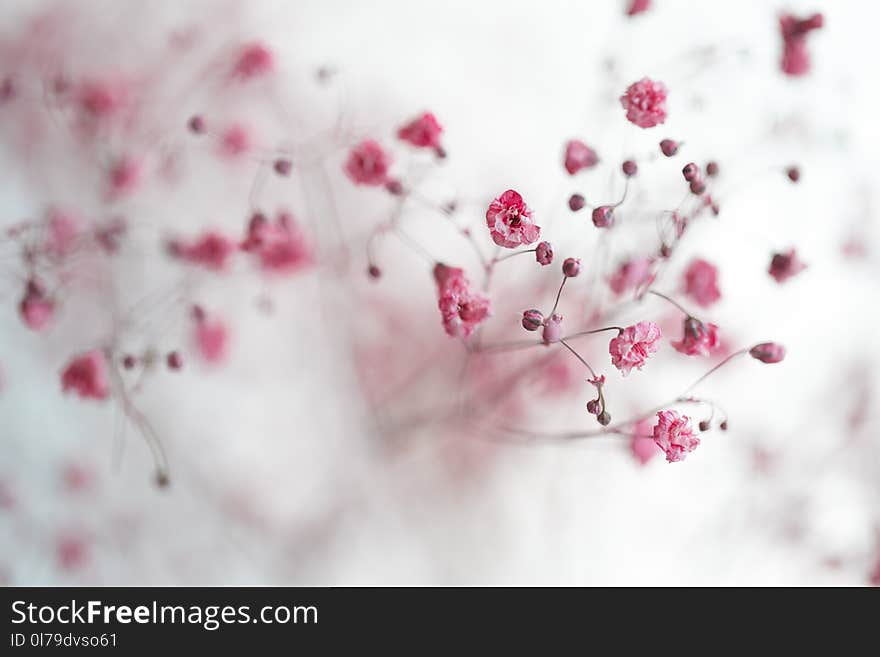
[672, 301]
[579, 357]
[558, 295]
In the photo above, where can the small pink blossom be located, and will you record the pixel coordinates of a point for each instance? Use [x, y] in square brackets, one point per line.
[785, 265]
[645, 103]
[768, 352]
[86, 375]
[699, 338]
[794, 31]
[422, 132]
[579, 156]
[552, 329]
[212, 339]
[642, 446]
[235, 140]
[510, 221]
[701, 282]
[462, 309]
[632, 347]
[36, 308]
[638, 7]
[125, 176]
[102, 99]
[254, 60]
[674, 435]
[211, 250]
[368, 164]
[632, 275]
[64, 229]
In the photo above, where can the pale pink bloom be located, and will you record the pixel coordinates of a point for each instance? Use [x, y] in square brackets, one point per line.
[645, 103]
[281, 247]
[701, 282]
[768, 352]
[423, 131]
[368, 164]
[235, 140]
[462, 309]
[785, 265]
[254, 60]
[64, 229]
[510, 221]
[102, 99]
[86, 375]
[638, 7]
[632, 275]
[212, 339]
[36, 308]
[632, 347]
[210, 250]
[699, 338]
[642, 445]
[552, 329]
[579, 156]
[674, 435]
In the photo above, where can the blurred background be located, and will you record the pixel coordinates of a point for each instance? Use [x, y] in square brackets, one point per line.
[324, 441]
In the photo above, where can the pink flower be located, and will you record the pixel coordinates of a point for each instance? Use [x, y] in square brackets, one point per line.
[701, 282]
[461, 308]
[638, 7]
[368, 164]
[125, 176]
[645, 103]
[641, 444]
[422, 132]
[552, 329]
[632, 275]
[211, 250]
[632, 347]
[63, 231]
[794, 31]
[101, 99]
[280, 246]
[510, 221]
[212, 339]
[785, 265]
[579, 156]
[86, 375]
[699, 339]
[36, 308]
[768, 352]
[235, 141]
[674, 435]
[254, 59]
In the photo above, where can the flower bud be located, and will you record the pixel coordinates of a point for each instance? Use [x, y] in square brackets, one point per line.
[604, 418]
[576, 202]
[532, 319]
[571, 267]
[544, 253]
[593, 406]
[552, 329]
[174, 360]
[690, 171]
[704, 425]
[282, 166]
[669, 147]
[712, 168]
[603, 216]
[793, 173]
[629, 168]
[768, 352]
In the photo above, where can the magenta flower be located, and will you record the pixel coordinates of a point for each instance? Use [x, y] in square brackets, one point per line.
[637, 7]
[794, 31]
[254, 60]
[36, 308]
[645, 103]
[462, 309]
[510, 221]
[632, 347]
[768, 352]
[674, 435]
[86, 375]
[281, 247]
[210, 250]
[212, 339]
[699, 339]
[701, 282]
[785, 265]
[632, 275]
[368, 164]
[579, 156]
[422, 132]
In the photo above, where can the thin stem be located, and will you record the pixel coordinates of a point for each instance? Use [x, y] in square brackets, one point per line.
[510, 255]
[558, 295]
[601, 330]
[713, 370]
[672, 301]
[580, 358]
[623, 198]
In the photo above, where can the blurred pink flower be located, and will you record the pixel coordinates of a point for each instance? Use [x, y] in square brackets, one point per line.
[579, 156]
[211, 250]
[36, 308]
[368, 164]
[255, 59]
[212, 339]
[462, 309]
[632, 275]
[785, 265]
[642, 445]
[698, 339]
[701, 282]
[86, 375]
[423, 131]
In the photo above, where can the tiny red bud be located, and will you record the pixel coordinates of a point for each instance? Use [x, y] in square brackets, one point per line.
[544, 253]
[129, 361]
[603, 216]
[282, 166]
[669, 147]
[768, 352]
[712, 169]
[629, 168]
[704, 425]
[793, 173]
[576, 202]
[723, 426]
[197, 125]
[174, 360]
[394, 187]
[374, 272]
[571, 267]
[690, 171]
[665, 250]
